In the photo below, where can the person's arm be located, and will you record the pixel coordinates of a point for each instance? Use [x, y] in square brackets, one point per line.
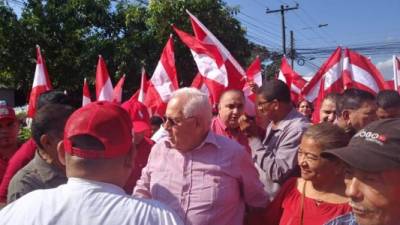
[279, 164]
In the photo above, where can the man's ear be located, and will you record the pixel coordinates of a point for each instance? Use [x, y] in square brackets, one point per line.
[61, 152]
[45, 141]
[346, 115]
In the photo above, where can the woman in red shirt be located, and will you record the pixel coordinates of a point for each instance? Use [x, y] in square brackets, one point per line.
[318, 195]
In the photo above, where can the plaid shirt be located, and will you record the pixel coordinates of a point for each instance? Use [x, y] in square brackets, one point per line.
[347, 219]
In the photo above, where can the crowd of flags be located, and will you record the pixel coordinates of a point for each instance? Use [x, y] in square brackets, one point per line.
[218, 71]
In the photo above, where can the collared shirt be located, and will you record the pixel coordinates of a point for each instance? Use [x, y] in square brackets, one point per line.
[22, 157]
[221, 129]
[37, 174]
[208, 185]
[347, 219]
[276, 155]
[83, 201]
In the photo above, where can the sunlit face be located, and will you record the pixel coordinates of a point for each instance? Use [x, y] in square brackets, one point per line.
[361, 117]
[182, 131]
[388, 113]
[265, 108]
[374, 197]
[8, 133]
[313, 167]
[327, 112]
[230, 108]
[305, 108]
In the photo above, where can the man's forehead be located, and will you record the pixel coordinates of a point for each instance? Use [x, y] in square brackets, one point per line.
[231, 96]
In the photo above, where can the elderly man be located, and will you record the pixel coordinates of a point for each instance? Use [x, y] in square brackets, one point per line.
[97, 151]
[204, 177]
[226, 123]
[372, 174]
[388, 104]
[9, 128]
[44, 170]
[355, 109]
[276, 155]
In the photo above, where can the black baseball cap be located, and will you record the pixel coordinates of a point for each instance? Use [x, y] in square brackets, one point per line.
[374, 148]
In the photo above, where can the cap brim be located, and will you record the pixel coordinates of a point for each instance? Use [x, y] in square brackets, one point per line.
[362, 158]
[8, 118]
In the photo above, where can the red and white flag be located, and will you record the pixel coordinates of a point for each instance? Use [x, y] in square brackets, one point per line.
[198, 82]
[104, 88]
[41, 82]
[209, 63]
[254, 75]
[230, 68]
[144, 84]
[327, 79]
[86, 93]
[359, 72]
[294, 81]
[396, 73]
[117, 93]
[163, 82]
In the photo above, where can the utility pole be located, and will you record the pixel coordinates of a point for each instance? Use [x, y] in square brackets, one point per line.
[292, 51]
[282, 10]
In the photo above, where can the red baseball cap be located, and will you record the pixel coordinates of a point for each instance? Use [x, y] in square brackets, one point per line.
[7, 112]
[139, 115]
[107, 122]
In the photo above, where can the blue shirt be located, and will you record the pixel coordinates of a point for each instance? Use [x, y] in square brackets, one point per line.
[346, 219]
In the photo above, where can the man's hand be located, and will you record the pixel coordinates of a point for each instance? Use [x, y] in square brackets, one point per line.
[253, 86]
[248, 126]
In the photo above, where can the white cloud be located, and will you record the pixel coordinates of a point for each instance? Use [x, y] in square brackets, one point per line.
[386, 68]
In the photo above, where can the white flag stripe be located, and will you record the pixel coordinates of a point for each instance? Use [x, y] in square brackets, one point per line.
[332, 75]
[39, 77]
[106, 92]
[209, 68]
[162, 83]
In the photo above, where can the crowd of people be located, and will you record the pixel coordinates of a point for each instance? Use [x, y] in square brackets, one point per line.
[106, 163]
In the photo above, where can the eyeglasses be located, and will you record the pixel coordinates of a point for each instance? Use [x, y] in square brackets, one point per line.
[174, 121]
[261, 104]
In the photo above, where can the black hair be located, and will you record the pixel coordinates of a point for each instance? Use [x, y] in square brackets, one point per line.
[333, 96]
[353, 99]
[388, 99]
[50, 118]
[53, 97]
[275, 89]
[156, 120]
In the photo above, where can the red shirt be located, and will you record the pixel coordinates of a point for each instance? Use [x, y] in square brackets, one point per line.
[140, 161]
[20, 158]
[286, 209]
[219, 128]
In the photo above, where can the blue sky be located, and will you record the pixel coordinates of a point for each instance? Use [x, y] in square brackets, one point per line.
[350, 23]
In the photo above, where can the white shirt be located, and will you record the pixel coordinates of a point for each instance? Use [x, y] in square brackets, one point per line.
[84, 202]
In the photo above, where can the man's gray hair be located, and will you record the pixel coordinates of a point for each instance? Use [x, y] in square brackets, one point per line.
[196, 103]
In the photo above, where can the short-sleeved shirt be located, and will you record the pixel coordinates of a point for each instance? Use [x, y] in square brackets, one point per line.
[82, 201]
[276, 155]
[37, 174]
[210, 184]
